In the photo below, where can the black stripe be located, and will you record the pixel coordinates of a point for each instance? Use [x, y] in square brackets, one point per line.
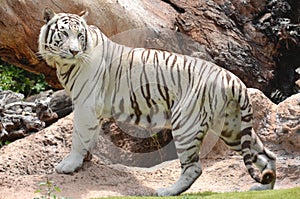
[167, 96]
[231, 144]
[66, 75]
[113, 47]
[203, 122]
[85, 39]
[118, 76]
[223, 91]
[99, 69]
[75, 73]
[179, 80]
[189, 73]
[246, 103]
[254, 157]
[247, 159]
[247, 131]
[47, 33]
[148, 55]
[174, 61]
[171, 72]
[91, 28]
[135, 107]
[184, 62]
[103, 81]
[81, 89]
[133, 99]
[266, 154]
[155, 59]
[233, 88]
[93, 128]
[247, 118]
[147, 94]
[246, 144]
[240, 93]
[167, 60]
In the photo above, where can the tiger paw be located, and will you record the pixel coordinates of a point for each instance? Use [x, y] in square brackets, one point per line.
[70, 164]
[163, 192]
[261, 187]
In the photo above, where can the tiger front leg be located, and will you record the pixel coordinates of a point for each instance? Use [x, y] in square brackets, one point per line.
[85, 133]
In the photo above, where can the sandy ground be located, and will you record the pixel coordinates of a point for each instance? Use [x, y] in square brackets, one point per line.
[29, 161]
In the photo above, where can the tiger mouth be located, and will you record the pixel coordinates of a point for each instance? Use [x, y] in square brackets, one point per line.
[68, 57]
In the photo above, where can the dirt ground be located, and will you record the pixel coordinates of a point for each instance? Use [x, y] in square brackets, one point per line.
[29, 161]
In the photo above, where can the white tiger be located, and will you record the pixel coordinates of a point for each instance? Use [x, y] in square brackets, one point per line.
[151, 88]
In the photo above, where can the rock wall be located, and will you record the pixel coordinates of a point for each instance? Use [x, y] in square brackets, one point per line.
[21, 21]
[243, 37]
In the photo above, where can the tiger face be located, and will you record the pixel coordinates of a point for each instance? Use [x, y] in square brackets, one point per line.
[64, 38]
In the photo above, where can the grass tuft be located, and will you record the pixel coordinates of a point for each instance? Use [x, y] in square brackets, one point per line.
[293, 193]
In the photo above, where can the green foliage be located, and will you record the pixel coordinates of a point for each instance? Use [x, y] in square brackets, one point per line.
[21, 81]
[4, 143]
[48, 190]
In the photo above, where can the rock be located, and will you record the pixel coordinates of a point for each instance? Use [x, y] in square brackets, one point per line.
[226, 30]
[264, 115]
[21, 21]
[277, 124]
[288, 123]
[60, 103]
[20, 118]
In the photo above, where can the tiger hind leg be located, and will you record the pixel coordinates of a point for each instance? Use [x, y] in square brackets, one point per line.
[188, 146]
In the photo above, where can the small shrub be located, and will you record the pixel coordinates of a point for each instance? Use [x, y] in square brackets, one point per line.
[2, 143]
[21, 81]
[48, 190]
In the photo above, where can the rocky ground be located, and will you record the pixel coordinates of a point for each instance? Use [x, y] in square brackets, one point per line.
[27, 162]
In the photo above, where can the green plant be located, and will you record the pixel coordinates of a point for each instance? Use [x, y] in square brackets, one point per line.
[2, 143]
[21, 81]
[48, 190]
[155, 137]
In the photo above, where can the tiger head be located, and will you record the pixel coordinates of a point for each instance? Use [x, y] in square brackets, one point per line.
[64, 38]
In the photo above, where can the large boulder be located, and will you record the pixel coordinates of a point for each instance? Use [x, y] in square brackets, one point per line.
[278, 124]
[229, 33]
[21, 21]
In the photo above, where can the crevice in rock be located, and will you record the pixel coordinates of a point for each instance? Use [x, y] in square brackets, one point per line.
[175, 6]
[280, 23]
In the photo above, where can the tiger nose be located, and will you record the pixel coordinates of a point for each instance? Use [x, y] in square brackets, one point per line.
[74, 52]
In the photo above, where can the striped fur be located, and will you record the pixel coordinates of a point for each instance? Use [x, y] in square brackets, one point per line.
[151, 88]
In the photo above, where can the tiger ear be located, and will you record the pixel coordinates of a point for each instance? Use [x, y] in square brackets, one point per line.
[48, 14]
[84, 13]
